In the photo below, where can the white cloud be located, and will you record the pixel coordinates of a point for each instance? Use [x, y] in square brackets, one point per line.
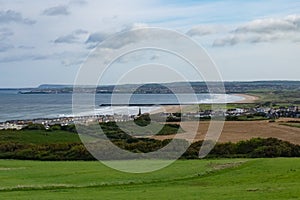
[263, 30]
[134, 26]
[269, 25]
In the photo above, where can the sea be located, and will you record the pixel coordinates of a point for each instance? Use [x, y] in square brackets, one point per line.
[16, 106]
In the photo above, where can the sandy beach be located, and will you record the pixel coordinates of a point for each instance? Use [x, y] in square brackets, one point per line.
[168, 109]
[176, 108]
[247, 98]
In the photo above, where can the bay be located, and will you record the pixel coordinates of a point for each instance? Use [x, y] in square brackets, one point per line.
[15, 106]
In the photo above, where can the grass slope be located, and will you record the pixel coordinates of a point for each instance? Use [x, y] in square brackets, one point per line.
[197, 179]
[297, 125]
[61, 136]
[38, 136]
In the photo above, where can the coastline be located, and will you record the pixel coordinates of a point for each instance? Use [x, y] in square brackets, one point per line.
[173, 108]
[168, 109]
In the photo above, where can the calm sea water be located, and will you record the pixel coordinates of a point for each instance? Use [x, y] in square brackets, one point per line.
[15, 106]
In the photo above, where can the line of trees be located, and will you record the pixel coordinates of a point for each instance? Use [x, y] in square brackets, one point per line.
[253, 148]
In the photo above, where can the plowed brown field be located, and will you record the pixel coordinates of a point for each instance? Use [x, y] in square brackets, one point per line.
[235, 131]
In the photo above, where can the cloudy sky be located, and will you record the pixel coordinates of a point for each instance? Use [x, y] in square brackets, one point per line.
[47, 41]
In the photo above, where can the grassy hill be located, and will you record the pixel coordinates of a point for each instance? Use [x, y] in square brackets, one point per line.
[190, 179]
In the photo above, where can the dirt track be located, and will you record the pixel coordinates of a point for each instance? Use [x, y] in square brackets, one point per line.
[237, 131]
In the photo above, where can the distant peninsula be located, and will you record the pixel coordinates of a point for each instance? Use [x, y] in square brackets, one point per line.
[169, 88]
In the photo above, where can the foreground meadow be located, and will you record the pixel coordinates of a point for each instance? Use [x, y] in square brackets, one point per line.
[185, 179]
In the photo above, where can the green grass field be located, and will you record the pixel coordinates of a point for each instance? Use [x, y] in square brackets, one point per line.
[185, 179]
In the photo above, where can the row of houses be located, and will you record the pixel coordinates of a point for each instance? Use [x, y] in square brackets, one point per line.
[268, 112]
[7, 125]
[64, 121]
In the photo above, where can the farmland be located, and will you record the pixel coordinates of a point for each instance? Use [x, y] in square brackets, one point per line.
[234, 131]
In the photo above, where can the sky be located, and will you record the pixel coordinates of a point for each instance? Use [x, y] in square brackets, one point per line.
[46, 42]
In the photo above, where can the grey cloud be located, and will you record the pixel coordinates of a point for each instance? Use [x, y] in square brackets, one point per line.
[70, 62]
[37, 57]
[202, 30]
[96, 37]
[40, 57]
[25, 57]
[74, 37]
[56, 10]
[10, 16]
[295, 19]
[144, 56]
[263, 30]
[155, 57]
[128, 37]
[92, 45]
[5, 47]
[25, 47]
[5, 33]
[66, 39]
[10, 59]
[249, 38]
[78, 2]
[80, 31]
[226, 41]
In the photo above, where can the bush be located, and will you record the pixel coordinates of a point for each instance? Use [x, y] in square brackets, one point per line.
[143, 120]
[34, 127]
[266, 152]
[231, 118]
[253, 148]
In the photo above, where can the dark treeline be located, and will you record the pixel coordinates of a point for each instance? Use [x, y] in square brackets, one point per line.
[59, 151]
[254, 148]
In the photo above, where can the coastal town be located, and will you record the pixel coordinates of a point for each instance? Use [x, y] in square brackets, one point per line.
[64, 121]
[264, 112]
